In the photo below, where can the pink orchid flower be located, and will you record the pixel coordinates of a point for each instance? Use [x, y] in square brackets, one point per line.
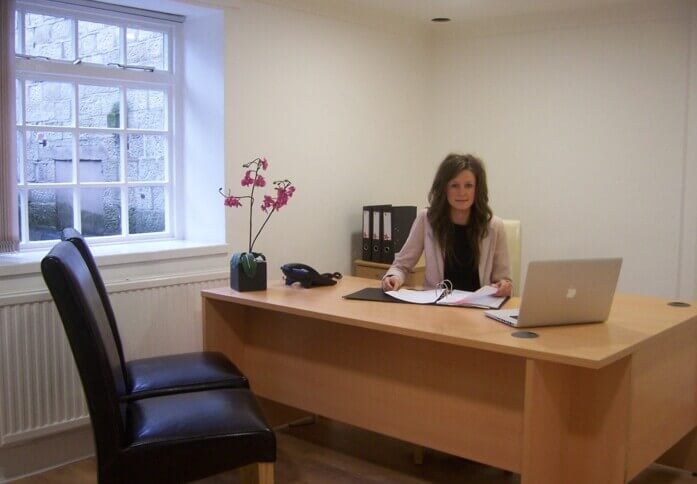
[247, 180]
[252, 178]
[232, 201]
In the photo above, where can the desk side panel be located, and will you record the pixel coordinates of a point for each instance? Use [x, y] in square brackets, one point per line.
[664, 397]
[461, 401]
[575, 423]
[222, 329]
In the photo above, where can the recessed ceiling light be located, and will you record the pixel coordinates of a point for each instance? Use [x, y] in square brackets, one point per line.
[440, 19]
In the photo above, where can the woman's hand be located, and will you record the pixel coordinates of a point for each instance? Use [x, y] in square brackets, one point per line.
[391, 283]
[504, 286]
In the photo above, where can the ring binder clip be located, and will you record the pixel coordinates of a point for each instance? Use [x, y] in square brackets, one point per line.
[446, 286]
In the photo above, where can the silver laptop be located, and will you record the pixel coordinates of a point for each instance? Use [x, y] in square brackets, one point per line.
[559, 292]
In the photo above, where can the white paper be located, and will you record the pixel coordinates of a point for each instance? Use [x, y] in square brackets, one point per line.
[481, 298]
[463, 297]
[429, 296]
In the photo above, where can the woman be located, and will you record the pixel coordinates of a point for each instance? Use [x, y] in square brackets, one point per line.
[460, 238]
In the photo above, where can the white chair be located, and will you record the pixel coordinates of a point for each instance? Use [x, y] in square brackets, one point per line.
[513, 239]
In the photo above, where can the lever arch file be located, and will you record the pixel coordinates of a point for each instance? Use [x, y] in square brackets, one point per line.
[376, 237]
[367, 232]
[397, 222]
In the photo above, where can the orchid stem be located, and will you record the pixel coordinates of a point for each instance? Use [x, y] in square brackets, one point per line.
[260, 229]
[251, 205]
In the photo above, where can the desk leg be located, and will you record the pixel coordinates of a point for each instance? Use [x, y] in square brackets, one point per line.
[575, 423]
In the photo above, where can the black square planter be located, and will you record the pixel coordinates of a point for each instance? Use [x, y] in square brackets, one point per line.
[241, 282]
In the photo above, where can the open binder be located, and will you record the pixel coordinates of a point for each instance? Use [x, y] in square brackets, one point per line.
[482, 298]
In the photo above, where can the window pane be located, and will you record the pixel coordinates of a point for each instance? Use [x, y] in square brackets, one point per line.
[49, 157]
[100, 211]
[146, 157]
[146, 48]
[99, 157]
[99, 106]
[49, 103]
[146, 210]
[18, 47]
[50, 211]
[146, 109]
[98, 43]
[19, 215]
[48, 36]
[18, 154]
[18, 101]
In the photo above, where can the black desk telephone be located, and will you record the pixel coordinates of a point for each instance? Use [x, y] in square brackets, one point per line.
[307, 276]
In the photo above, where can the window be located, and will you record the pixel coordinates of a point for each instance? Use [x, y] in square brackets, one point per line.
[95, 123]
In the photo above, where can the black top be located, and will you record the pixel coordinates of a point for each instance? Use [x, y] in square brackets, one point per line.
[461, 268]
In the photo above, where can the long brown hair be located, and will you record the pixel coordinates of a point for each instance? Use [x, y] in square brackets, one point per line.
[439, 208]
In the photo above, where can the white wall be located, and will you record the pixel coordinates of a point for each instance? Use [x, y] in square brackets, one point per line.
[688, 249]
[336, 107]
[582, 121]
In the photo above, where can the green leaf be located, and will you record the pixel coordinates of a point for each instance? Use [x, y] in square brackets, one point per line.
[247, 261]
[249, 264]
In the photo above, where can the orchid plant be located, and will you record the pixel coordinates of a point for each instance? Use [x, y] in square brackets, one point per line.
[270, 204]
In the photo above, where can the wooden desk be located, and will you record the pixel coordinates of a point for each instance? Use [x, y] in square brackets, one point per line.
[592, 403]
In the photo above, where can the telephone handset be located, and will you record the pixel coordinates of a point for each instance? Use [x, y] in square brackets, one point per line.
[307, 276]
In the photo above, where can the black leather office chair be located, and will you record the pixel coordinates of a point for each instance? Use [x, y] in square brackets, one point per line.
[161, 375]
[172, 438]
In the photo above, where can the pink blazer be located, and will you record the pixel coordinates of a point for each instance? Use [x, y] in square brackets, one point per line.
[493, 253]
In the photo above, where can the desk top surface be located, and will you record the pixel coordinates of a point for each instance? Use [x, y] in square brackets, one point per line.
[634, 321]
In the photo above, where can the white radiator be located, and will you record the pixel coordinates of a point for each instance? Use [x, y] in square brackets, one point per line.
[40, 390]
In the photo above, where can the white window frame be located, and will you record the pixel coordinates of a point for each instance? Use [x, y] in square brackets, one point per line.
[94, 74]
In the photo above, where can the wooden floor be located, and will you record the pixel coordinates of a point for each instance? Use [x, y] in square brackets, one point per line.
[329, 452]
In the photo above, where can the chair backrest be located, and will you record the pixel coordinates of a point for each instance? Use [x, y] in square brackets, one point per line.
[513, 240]
[74, 237]
[86, 324]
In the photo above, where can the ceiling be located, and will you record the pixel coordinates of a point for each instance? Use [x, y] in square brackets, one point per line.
[456, 10]
[404, 13]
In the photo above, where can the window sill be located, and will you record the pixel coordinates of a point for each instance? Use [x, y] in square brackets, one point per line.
[28, 262]
[120, 265]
